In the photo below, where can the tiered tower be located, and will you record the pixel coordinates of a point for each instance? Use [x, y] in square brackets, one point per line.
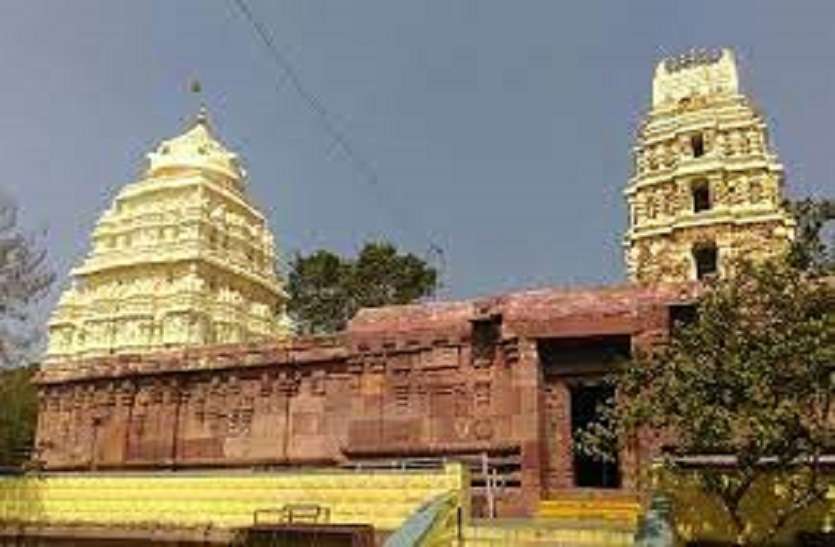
[181, 257]
[706, 185]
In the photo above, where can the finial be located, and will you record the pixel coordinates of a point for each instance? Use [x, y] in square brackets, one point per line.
[202, 117]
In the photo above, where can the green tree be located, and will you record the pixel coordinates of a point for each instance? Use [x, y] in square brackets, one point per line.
[809, 251]
[751, 377]
[326, 290]
[18, 415]
[24, 280]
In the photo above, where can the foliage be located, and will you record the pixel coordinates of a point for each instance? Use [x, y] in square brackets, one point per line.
[750, 377]
[809, 251]
[24, 279]
[18, 415]
[326, 290]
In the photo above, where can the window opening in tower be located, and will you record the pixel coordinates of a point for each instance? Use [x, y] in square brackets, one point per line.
[706, 258]
[697, 142]
[701, 196]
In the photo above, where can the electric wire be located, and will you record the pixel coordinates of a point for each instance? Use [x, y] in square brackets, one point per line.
[339, 137]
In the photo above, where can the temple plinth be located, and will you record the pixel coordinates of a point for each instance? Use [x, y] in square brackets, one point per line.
[182, 257]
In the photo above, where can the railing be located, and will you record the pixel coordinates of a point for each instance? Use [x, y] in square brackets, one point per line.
[494, 475]
[295, 512]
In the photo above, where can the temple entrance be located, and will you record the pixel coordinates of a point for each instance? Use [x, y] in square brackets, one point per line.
[573, 371]
[589, 471]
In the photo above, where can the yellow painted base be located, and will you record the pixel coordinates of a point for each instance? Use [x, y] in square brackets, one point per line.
[623, 509]
[540, 532]
[223, 499]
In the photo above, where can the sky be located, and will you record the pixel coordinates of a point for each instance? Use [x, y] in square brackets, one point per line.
[499, 132]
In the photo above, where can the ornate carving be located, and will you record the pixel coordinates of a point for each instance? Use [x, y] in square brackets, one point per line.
[131, 286]
[318, 383]
[743, 191]
[483, 429]
[402, 396]
[481, 395]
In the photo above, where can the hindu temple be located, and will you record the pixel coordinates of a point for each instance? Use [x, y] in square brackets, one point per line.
[176, 402]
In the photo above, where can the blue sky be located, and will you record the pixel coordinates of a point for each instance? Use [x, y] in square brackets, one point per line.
[499, 130]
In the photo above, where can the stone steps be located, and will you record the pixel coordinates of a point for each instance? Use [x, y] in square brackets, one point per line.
[540, 532]
[623, 509]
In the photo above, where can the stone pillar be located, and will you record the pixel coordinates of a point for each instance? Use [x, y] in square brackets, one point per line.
[557, 439]
[528, 424]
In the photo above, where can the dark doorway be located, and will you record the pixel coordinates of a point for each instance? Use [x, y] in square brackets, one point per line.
[573, 369]
[590, 471]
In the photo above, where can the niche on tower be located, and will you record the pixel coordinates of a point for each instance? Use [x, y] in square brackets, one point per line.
[697, 144]
[700, 191]
[705, 260]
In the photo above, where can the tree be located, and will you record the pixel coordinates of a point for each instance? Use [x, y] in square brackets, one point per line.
[25, 279]
[319, 293]
[18, 415]
[751, 377]
[326, 290]
[809, 251]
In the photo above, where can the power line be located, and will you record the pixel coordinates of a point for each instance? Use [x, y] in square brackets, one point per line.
[289, 73]
[312, 101]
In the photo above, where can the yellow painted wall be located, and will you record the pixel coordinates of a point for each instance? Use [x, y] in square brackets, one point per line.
[222, 499]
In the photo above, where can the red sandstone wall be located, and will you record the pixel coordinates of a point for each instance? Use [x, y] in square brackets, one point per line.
[409, 400]
[403, 381]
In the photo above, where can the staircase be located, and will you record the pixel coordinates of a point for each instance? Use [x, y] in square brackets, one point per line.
[568, 519]
[614, 507]
[541, 532]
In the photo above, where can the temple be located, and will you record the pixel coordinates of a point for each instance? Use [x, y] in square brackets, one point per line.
[171, 350]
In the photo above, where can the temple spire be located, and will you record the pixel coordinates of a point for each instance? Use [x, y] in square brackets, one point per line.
[200, 271]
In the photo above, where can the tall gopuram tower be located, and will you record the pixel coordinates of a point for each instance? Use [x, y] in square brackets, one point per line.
[181, 258]
[706, 185]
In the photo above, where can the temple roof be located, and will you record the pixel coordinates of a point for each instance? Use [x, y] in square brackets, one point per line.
[570, 311]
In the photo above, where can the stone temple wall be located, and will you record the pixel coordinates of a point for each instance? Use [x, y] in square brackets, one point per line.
[429, 381]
